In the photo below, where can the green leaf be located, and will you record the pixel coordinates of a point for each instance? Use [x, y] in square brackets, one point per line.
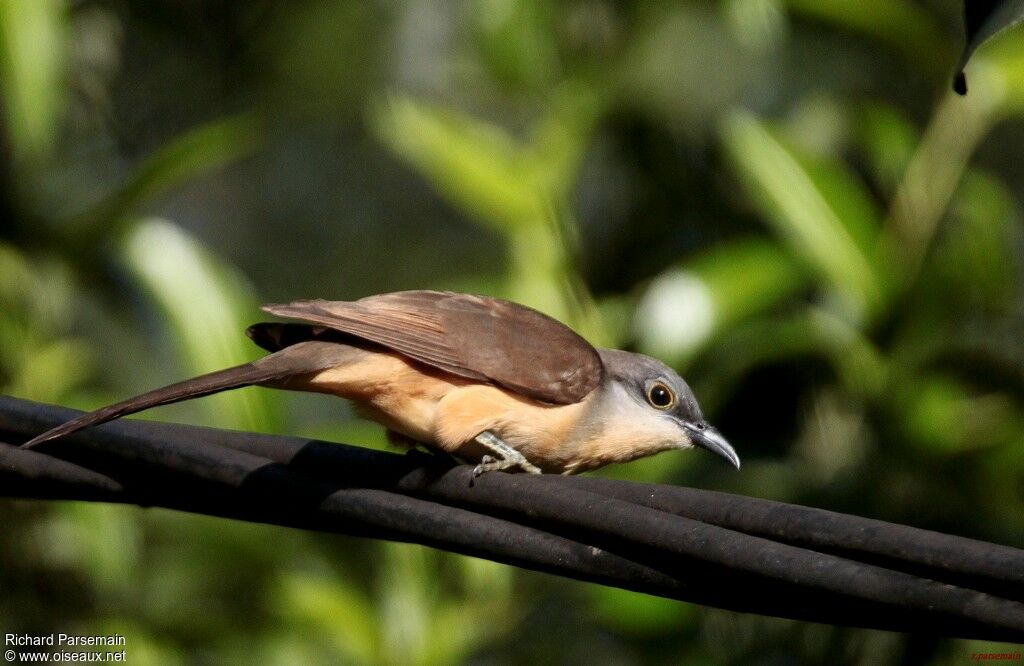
[517, 188]
[902, 23]
[808, 333]
[984, 20]
[887, 140]
[503, 182]
[48, 370]
[997, 75]
[517, 40]
[640, 615]
[476, 165]
[752, 344]
[207, 306]
[758, 24]
[560, 137]
[36, 361]
[33, 58]
[197, 151]
[944, 415]
[340, 611]
[685, 307]
[974, 260]
[98, 539]
[818, 209]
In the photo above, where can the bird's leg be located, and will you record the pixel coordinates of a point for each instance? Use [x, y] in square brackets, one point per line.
[504, 456]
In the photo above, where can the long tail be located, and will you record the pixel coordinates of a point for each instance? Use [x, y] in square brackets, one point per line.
[299, 359]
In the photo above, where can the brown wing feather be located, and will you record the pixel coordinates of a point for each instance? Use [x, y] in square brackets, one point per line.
[476, 337]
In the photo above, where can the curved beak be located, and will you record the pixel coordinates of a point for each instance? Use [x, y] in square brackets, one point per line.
[712, 440]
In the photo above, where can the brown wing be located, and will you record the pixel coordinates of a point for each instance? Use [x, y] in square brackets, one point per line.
[476, 337]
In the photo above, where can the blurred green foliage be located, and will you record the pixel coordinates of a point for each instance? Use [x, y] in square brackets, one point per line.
[781, 198]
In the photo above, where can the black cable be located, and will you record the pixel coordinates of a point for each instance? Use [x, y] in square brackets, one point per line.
[722, 550]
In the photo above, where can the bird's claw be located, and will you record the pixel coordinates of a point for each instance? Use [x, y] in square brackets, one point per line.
[486, 465]
[505, 456]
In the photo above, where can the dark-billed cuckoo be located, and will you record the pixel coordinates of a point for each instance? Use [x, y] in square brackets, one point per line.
[486, 380]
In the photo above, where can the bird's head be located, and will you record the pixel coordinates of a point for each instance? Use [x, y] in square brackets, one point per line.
[652, 402]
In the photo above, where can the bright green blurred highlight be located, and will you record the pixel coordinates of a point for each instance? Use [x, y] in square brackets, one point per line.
[474, 164]
[33, 50]
[206, 305]
[944, 414]
[95, 537]
[821, 213]
[683, 309]
[38, 360]
[640, 614]
[996, 72]
[412, 616]
[345, 617]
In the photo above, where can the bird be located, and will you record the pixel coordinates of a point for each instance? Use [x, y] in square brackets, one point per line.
[483, 379]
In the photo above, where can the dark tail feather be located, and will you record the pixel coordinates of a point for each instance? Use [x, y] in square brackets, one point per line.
[222, 380]
[275, 336]
[298, 359]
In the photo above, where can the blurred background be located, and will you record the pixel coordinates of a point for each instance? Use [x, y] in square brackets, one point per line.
[781, 198]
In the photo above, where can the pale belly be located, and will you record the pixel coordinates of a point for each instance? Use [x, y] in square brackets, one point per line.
[391, 391]
[445, 411]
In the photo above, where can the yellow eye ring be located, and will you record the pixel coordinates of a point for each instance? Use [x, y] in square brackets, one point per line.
[660, 396]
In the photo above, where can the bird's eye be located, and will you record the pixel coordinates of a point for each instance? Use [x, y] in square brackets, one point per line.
[660, 396]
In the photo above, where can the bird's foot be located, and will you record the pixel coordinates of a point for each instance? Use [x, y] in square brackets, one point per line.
[505, 457]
